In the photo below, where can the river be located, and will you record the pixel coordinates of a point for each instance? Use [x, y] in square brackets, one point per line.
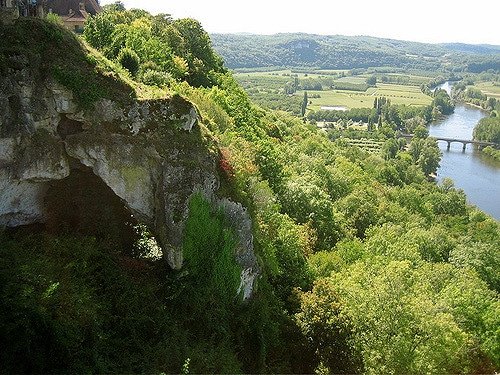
[476, 174]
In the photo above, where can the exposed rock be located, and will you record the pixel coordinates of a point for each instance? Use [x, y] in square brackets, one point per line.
[150, 154]
[63, 98]
[127, 167]
[40, 157]
[7, 151]
[21, 202]
[242, 225]
[188, 120]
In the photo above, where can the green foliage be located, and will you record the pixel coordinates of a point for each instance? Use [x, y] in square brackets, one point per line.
[54, 18]
[365, 264]
[303, 107]
[98, 30]
[180, 48]
[426, 154]
[484, 258]
[442, 104]
[345, 52]
[371, 81]
[490, 151]
[323, 321]
[155, 78]
[402, 322]
[488, 129]
[70, 304]
[55, 52]
[129, 60]
[308, 203]
[86, 90]
[209, 252]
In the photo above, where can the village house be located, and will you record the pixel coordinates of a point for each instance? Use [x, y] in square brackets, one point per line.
[73, 13]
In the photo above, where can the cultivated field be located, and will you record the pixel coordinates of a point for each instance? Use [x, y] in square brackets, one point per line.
[271, 85]
[398, 94]
[489, 88]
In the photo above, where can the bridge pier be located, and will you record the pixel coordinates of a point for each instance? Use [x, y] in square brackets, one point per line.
[465, 142]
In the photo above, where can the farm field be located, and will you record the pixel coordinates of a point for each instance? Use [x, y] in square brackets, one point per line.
[367, 144]
[408, 79]
[489, 89]
[268, 89]
[289, 72]
[398, 94]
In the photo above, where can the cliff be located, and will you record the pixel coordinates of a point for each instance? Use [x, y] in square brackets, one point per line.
[79, 149]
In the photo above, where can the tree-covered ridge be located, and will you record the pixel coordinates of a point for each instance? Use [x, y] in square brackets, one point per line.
[361, 216]
[161, 48]
[367, 266]
[345, 52]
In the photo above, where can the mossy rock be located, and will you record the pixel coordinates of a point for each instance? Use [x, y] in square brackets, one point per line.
[51, 51]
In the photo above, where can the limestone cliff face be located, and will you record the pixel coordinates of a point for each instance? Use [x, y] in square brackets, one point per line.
[151, 154]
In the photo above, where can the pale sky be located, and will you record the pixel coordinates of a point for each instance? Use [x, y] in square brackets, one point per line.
[432, 21]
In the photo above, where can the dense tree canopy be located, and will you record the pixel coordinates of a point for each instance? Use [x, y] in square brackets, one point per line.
[488, 130]
[366, 264]
[180, 47]
[348, 52]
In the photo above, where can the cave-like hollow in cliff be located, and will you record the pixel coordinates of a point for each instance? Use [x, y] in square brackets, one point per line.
[82, 204]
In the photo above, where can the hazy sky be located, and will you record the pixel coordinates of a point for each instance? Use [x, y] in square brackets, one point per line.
[431, 21]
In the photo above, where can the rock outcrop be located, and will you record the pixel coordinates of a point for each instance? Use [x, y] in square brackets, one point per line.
[152, 154]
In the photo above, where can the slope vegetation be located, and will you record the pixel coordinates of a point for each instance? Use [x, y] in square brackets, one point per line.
[365, 265]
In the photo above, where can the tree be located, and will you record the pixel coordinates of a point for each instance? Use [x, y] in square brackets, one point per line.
[421, 132]
[201, 58]
[429, 157]
[371, 81]
[442, 104]
[426, 154]
[116, 6]
[306, 202]
[360, 209]
[129, 60]
[491, 102]
[483, 257]
[99, 30]
[399, 324]
[303, 107]
[488, 129]
[390, 149]
[326, 326]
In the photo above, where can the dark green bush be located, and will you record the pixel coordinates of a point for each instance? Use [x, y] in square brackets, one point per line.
[129, 60]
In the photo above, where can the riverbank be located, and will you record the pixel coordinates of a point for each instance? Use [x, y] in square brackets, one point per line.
[491, 152]
[475, 173]
[488, 129]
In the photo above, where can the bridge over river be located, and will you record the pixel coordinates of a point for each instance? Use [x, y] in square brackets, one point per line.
[465, 142]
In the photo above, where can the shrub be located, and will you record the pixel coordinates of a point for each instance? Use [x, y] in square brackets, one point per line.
[55, 19]
[129, 60]
[155, 78]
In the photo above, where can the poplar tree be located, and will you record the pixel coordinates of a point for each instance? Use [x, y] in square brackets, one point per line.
[304, 104]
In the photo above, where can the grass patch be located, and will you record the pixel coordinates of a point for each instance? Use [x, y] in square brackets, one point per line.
[398, 94]
[490, 89]
[267, 89]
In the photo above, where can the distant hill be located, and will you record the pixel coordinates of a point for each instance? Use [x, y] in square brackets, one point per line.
[482, 49]
[347, 52]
